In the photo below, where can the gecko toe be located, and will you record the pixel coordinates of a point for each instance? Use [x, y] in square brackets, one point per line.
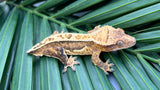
[64, 70]
[72, 58]
[76, 62]
[108, 61]
[73, 68]
[111, 70]
[107, 67]
[106, 73]
[111, 64]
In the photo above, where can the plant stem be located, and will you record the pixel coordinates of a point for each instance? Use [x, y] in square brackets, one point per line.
[151, 59]
[131, 51]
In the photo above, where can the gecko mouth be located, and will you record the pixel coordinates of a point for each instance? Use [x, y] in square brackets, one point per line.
[133, 42]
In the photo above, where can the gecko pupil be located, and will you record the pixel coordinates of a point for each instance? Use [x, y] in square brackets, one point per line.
[119, 43]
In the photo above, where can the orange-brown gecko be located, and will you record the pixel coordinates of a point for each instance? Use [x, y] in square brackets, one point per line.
[100, 39]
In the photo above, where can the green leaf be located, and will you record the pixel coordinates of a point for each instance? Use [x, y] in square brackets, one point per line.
[7, 74]
[22, 76]
[153, 74]
[138, 17]
[48, 4]
[157, 58]
[65, 80]
[36, 63]
[148, 36]
[75, 6]
[113, 9]
[152, 28]
[6, 36]
[27, 2]
[150, 48]
[103, 12]
[138, 73]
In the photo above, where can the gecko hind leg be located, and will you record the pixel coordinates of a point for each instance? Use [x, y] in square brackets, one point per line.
[59, 53]
[70, 63]
[106, 67]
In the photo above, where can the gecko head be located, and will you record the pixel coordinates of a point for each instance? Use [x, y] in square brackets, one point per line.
[120, 40]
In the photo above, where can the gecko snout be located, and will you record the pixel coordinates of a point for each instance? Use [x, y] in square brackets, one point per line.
[132, 41]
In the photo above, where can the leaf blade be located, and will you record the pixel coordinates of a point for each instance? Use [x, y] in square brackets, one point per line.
[6, 34]
[148, 36]
[75, 6]
[23, 63]
[137, 17]
[153, 74]
[128, 82]
[150, 48]
[138, 73]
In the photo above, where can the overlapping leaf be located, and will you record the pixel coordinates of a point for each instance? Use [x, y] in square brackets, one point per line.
[148, 36]
[7, 74]
[137, 71]
[48, 4]
[150, 48]
[112, 9]
[138, 17]
[6, 36]
[22, 75]
[153, 74]
[75, 6]
[121, 73]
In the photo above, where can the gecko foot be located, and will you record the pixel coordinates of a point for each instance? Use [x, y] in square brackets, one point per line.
[70, 63]
[62, 31]
[107, 67]
[55, 32]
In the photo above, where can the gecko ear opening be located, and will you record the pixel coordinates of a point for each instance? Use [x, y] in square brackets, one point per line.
[119, 43]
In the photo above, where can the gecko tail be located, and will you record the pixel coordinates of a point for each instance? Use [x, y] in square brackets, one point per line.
[33, 52]
[30, 51]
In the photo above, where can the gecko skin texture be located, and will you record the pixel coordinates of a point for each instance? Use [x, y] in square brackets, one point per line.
[100, 39]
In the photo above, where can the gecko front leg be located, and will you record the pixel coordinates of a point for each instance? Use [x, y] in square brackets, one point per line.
[104, 66]
[59, 53]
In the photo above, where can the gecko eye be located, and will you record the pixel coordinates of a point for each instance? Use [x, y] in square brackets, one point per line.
[119, 43]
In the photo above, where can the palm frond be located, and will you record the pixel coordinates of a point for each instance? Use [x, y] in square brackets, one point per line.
[23, 24]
